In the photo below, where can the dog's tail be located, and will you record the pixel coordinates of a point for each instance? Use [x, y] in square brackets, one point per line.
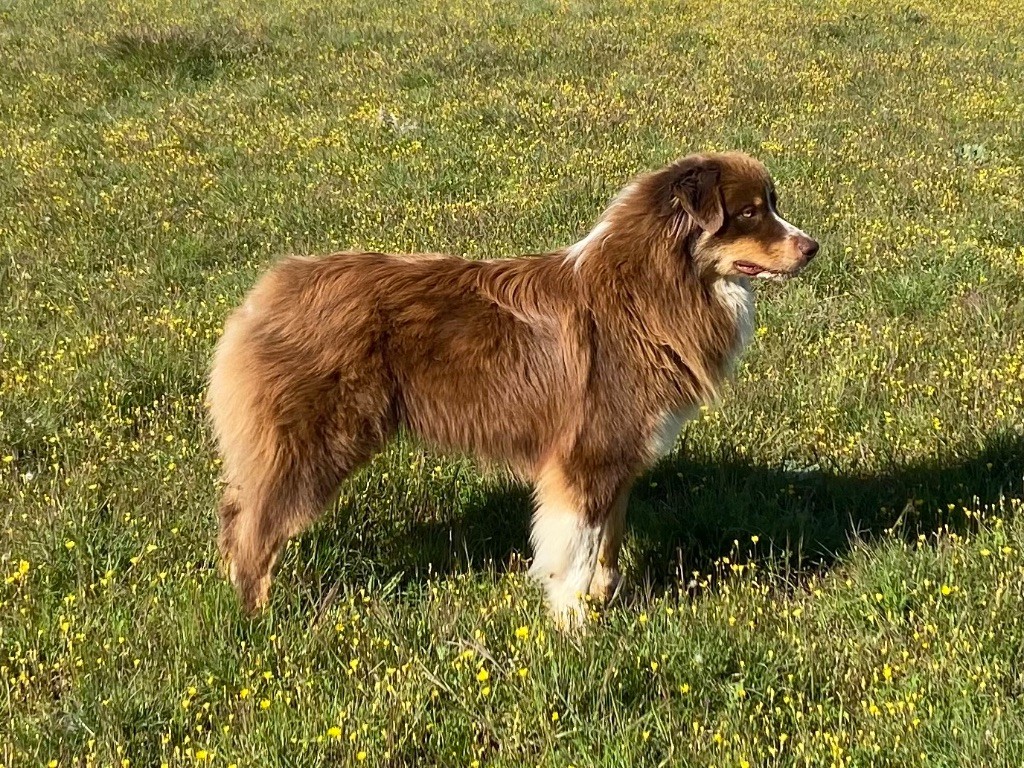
[262, 380]
[265, 498]
[233, 398]
[237, 407]
[269, 408]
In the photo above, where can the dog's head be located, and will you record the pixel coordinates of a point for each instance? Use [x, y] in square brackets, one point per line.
[729, 208]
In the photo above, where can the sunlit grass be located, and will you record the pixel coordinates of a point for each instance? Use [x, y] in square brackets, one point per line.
[828, 570]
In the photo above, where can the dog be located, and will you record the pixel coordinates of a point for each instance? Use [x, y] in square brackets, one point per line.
[575, 368]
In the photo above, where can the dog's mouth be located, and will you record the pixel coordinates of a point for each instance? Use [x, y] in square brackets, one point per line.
[756, 270]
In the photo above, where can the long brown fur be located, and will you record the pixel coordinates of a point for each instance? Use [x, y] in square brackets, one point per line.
[567, 366]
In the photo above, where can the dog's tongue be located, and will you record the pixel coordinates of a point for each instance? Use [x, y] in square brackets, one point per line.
[749, 269]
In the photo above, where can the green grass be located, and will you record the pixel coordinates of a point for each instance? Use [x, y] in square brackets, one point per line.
[829, 568]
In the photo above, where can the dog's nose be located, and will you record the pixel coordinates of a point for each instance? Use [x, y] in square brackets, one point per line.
[807, 246]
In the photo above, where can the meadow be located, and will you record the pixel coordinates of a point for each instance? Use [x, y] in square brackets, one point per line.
[827, 571]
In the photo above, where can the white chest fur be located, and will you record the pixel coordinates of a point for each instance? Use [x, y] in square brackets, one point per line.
[737, 297]
[667, 429]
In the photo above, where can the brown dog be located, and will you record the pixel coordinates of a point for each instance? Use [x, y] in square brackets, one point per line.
[575, 368]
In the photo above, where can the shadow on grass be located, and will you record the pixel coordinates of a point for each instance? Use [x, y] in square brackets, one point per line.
[688, 511]
[179, 52]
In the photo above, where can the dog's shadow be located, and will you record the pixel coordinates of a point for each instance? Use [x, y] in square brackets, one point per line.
[684, 515]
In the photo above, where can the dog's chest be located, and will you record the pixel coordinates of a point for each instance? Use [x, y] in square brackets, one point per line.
[738, 300]
[667, 429]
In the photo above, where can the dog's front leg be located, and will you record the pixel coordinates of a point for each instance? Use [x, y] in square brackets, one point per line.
[606, 574]
[569, 525]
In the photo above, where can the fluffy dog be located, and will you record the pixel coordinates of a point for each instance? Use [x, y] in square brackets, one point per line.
[575, 368]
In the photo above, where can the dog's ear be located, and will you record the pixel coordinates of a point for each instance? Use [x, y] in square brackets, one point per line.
[696, 190]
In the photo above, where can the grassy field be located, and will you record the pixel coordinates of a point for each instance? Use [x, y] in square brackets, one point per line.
[829, 570]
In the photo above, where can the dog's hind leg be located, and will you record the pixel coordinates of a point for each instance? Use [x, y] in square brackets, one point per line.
[259, 518]
[269, 512]
[228, 510]
[254, 523]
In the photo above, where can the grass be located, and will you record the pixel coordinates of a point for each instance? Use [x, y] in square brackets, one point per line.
[827, 571]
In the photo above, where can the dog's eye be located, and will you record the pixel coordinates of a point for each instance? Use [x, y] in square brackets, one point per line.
[749, 212]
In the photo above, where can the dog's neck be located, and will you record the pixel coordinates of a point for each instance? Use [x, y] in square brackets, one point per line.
[643, 284]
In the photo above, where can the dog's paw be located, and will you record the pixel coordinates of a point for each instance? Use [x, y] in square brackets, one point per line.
[605, 584]
[574, 616]
[254, 592]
